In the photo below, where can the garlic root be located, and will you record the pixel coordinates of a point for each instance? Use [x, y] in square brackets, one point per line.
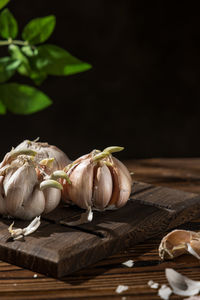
[19, 233]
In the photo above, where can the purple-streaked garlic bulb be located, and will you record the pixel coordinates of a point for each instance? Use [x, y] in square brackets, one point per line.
[97, 180]
[42, 151]
[28, 187]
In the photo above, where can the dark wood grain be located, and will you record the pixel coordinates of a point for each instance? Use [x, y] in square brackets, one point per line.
[99, 281]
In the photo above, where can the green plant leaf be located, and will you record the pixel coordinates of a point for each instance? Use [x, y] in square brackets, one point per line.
[2, 108]
[16, 53]
[3, 3]
[39, 30]
[23, 99]
[8, 25]
[29, 51]
[8, 67]
[57, 61]
[38, 76]
[26, 68]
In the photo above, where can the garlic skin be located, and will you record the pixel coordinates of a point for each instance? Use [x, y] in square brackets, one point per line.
[28, 187]
[98, 180]
[179, 242]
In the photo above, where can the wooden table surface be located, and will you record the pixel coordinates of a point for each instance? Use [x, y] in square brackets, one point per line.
[101, 280]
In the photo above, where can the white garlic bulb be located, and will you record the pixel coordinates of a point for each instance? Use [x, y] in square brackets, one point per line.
[97, 180]
[29, 187]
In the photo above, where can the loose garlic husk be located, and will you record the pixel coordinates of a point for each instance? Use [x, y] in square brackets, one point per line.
[97, 180]
[28, 187]
[179, 242]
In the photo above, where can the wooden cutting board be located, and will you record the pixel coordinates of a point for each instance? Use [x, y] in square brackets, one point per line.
[57, 250]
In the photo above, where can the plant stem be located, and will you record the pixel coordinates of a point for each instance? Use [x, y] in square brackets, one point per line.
[14, 42]
[4, 43]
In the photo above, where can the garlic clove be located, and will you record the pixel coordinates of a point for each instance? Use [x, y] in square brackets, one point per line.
[34, 206]
[52, 193]
[2, 200]
[176, 243]
[81, 187]
[124, 181]
[123, 169]
[116, 190]
[7, 175]
[19, 187]
[52, 198]
[102, 189]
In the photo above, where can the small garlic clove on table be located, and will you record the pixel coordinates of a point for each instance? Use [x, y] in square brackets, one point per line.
[179, 242]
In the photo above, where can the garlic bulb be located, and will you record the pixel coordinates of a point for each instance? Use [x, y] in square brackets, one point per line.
[97, 180]
[28, 187]
[41, 151]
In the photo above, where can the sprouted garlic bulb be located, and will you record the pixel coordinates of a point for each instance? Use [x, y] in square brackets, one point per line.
[28, 188]
[97, 181]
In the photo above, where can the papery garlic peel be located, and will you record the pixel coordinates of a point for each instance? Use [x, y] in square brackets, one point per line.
[97, 180]
[22, 192]
[179, 242]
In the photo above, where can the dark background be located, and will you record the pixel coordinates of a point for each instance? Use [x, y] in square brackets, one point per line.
[143, 92]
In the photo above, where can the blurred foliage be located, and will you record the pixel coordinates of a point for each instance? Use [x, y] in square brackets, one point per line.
[31, 58]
